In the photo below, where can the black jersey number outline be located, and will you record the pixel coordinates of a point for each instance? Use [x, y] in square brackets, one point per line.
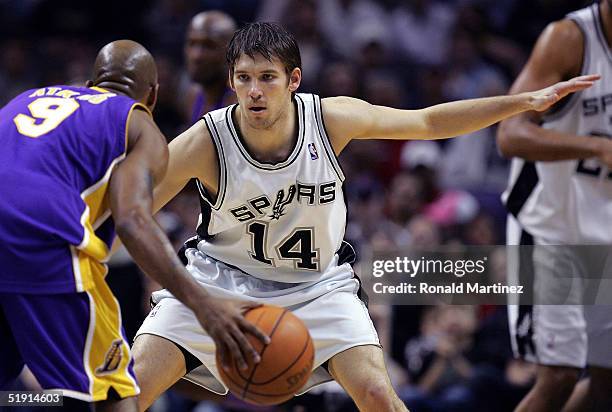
[591, 166]
[298, 246]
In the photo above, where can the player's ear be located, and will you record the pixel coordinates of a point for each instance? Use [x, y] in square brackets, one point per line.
[295, 78]
[89, 83]
[152, 97]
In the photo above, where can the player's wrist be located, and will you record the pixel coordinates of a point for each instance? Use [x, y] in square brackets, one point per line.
[596, 147]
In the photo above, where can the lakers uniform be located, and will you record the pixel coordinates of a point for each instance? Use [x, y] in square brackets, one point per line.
[272, 234]
[57, 315]
[565, 203]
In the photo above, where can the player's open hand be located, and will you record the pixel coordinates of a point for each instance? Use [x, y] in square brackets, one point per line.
[542, 99]
[224, 321]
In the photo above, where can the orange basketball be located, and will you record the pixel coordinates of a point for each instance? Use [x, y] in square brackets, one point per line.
[286, 362]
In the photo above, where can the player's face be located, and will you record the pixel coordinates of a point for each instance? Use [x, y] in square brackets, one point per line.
[263, 89]
[205, 55]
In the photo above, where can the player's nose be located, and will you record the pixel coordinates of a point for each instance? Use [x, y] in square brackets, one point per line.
[255, 91]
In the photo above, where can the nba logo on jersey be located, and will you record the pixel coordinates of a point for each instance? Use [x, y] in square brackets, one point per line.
[312, 149]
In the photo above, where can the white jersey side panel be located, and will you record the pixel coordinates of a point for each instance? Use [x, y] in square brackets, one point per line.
[284, 221]
[571, 201]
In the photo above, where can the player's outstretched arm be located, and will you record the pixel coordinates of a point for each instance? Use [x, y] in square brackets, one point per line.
[557, 55]
[131, 189]
[347, 118]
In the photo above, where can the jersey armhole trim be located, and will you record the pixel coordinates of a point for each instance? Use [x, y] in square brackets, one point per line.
[584, 67]
[329, 150]
[214, 134]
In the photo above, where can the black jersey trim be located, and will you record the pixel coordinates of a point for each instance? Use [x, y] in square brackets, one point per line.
[564, 106]
[598, 28]
[525, 342]
[214, 133]
[522, 188]
[242, 147]
[205, 213]
[329, 150]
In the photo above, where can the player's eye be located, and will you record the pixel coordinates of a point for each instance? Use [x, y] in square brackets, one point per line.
[267, 77]
[243, 77]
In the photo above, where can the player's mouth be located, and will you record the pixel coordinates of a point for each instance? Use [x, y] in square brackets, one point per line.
[257, 109]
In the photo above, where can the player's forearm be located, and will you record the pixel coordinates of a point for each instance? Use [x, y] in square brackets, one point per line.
[467, 116]
[525, 139]
[151, 250]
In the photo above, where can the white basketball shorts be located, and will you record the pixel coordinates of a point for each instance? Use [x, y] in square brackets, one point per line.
[331, 309]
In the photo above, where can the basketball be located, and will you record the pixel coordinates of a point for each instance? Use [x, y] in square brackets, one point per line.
[286, 362]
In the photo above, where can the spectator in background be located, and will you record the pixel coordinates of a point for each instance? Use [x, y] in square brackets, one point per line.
[302, 20]
[341, 21]
[207, 37]
[423, 30]
[437, 362]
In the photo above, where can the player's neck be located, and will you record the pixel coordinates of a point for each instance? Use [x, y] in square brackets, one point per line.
[272, 144]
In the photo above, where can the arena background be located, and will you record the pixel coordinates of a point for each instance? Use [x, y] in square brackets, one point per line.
[405, 54]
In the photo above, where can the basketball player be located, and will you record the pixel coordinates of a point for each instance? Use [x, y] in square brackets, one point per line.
[70, 156]
[207, 37]
[273, 214]
[560, 193]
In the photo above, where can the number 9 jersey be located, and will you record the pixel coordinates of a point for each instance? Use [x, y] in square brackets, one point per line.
[59, 146]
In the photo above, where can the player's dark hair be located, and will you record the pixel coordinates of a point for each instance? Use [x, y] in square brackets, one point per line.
[268, 39]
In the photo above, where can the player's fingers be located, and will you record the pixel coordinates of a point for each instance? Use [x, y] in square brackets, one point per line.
[244, 344]
[234, 350]
[588, 77]
[247, 326]
[224, 354]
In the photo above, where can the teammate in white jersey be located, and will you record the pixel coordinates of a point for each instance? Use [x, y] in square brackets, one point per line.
[273, 214]
[560, 193]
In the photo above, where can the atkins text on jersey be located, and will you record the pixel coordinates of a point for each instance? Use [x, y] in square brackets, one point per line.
[309, 194]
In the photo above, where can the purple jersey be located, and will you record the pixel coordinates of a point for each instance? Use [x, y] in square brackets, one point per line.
[58, 148]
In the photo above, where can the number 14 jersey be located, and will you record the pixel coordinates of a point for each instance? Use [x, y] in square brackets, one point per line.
[285, 221]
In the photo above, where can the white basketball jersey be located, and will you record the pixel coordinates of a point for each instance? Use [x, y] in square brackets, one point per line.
[571, 201]
[284, 221]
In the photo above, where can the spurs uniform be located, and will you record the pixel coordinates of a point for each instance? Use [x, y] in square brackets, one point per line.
[566, 203]
[273, 234]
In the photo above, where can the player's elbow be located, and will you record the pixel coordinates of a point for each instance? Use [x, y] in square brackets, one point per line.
[130, 222]
[507, 140]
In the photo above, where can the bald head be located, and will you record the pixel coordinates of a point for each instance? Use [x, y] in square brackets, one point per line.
[208, 34]
[127, 67]
[214, 22]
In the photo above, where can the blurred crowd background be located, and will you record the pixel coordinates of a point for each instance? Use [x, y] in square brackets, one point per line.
[400, 53]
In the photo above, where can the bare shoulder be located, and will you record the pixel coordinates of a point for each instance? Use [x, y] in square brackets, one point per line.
[345, 119]
[561, 47]
[140, 123]
[193, 143]
[193, 154]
